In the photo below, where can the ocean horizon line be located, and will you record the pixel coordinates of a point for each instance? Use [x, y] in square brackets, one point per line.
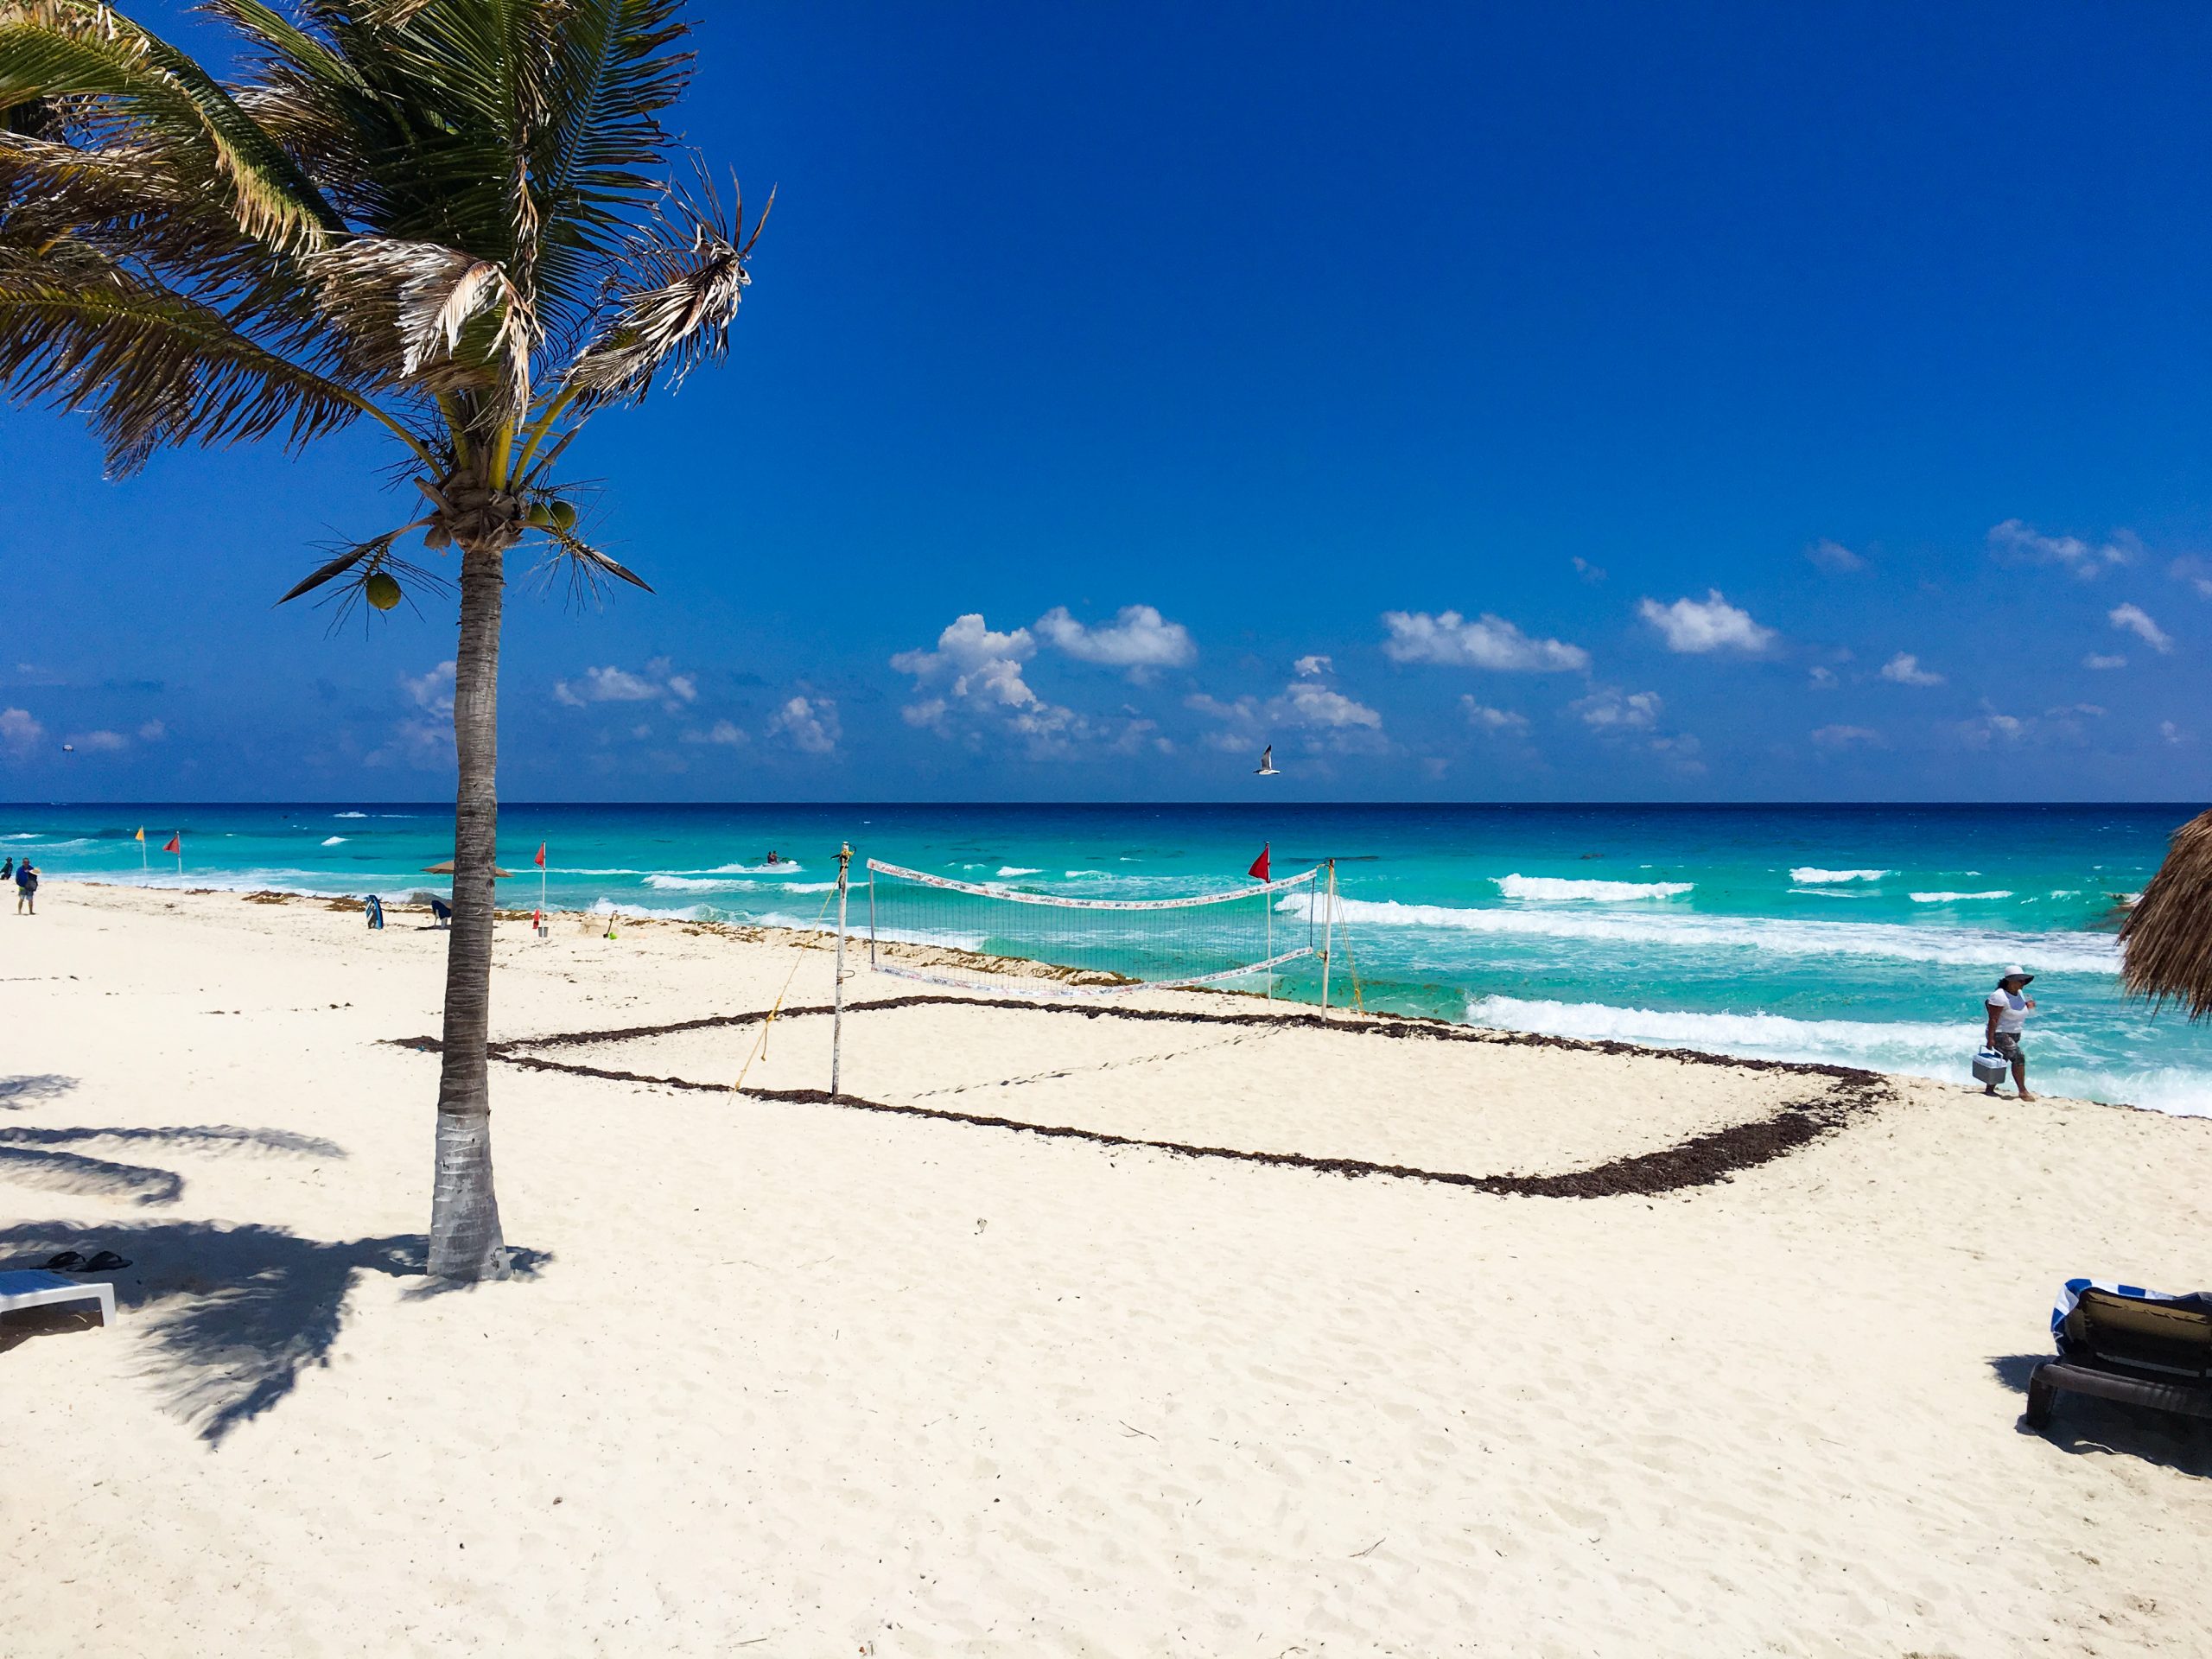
[1123, 805]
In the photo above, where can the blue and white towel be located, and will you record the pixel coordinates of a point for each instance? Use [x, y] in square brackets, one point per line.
[2072, 1294]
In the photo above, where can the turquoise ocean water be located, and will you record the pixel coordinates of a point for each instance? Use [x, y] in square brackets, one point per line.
[1866, 935]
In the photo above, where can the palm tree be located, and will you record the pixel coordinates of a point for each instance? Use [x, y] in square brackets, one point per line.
[451, 216]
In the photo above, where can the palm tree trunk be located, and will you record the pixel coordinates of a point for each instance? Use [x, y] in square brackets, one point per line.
[465, 1238]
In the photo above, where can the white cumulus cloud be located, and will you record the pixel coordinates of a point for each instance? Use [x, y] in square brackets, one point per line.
[1323, 716]
[1696, 626]
[2023, 544]
[1607, 710]
[2133, 618]
[1905, 668]
[725, 732]
[1489, 641]
[1484, 718]
[432, 691]
[19, 732]
[2100, 659]
[1138, 639]
[612, 685]
[978, 662]
[811, 724]
[1834, 556]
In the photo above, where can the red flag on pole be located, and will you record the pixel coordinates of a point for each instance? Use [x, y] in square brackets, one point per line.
[176, 843]
[541, 854]
[1258, 870]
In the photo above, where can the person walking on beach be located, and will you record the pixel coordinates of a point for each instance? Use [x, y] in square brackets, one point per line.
[2008, 1011]
[8, 870]
[26, 888]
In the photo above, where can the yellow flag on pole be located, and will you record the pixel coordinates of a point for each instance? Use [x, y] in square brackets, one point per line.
[141, 836]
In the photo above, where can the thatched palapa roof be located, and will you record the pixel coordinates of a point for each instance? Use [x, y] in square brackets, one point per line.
[2167, 943]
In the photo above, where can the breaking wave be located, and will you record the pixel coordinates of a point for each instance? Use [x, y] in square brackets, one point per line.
[1957, 897]
[1955, 946]
[1547, 889]
[1812, 876]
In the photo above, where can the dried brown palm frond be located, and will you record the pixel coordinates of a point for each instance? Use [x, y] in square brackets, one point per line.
[683, 281]
[2166, 946]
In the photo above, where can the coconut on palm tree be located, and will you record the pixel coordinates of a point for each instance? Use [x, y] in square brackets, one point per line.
[454, 218]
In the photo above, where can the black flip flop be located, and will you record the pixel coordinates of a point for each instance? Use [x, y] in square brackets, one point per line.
[106, 1261]
[67, 1261]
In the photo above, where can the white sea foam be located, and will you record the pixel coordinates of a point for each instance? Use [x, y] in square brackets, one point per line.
[333, 840]
[349, 815]
[1813, 875]
[1549, 889]
[1918, 1048]
[778, 868]
[724, 884]
[1072, 874]
[1930, 1048]
[1955, 946]
[1957, 897]
[1015, 869]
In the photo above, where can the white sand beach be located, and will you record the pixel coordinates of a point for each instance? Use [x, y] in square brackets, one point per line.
[792, 1378]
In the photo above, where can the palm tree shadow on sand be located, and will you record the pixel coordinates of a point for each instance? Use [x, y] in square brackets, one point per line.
[2081, 1424]
[232, 1314]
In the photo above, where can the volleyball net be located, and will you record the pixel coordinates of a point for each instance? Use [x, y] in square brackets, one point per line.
[1115, 944]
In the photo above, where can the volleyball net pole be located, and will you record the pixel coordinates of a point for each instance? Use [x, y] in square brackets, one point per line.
[1328, 934]
[837, 995]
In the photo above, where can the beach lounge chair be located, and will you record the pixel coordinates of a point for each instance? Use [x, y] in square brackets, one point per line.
[35, 1287]
[2120, 1342]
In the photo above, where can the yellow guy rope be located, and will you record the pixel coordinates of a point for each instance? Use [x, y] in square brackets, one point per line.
[760, 1043]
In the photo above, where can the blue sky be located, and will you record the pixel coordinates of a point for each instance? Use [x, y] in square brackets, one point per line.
[1570, 403]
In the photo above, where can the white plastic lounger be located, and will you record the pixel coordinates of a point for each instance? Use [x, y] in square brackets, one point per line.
[35, 1287]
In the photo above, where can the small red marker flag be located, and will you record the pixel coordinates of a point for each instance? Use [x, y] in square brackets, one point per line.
[1258, 870]
[541, 854]
[176, 843]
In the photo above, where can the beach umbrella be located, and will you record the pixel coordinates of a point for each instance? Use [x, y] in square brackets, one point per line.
[2167, 941]
[445, 869]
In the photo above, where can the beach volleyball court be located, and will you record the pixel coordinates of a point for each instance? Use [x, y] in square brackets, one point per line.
[1241, 1077]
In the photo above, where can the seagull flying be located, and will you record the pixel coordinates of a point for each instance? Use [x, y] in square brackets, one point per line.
[1266, 768]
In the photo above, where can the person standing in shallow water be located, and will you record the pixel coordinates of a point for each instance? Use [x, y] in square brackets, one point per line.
[2008, 1008]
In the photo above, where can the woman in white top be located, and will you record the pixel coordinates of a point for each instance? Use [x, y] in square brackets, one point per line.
[2008, 1012]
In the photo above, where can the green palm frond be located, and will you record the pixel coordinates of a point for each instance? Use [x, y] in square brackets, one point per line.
[149, 366]
[113, 75]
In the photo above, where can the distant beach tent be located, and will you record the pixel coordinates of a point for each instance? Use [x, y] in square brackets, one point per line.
[445, 869]
[2167, 941]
